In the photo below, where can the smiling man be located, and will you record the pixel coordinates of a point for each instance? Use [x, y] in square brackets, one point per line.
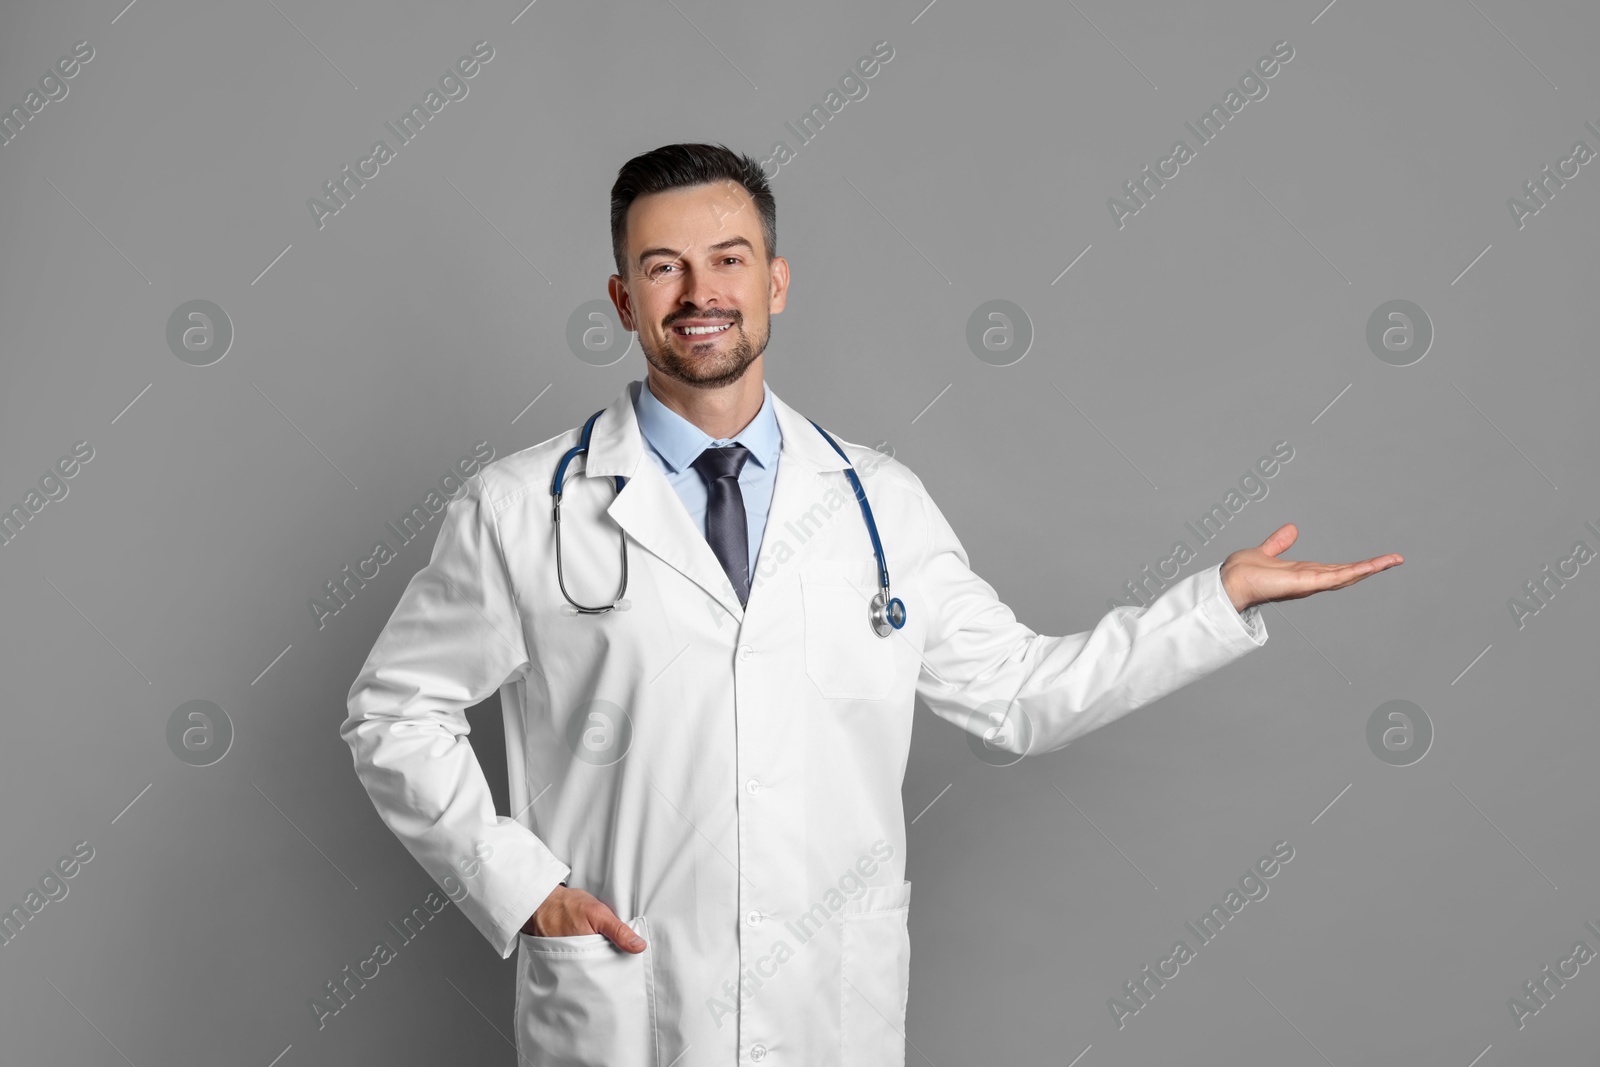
[705, 860]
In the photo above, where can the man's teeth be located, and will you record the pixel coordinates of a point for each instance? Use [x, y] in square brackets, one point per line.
[696, 330]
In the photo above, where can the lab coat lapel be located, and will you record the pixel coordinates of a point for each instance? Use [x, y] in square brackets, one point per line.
[648, 508]
[651, 513]
[799, 489]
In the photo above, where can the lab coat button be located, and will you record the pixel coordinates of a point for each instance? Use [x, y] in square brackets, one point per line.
[753, 786]
[744, 652]
[754, 918]
[758, 1052]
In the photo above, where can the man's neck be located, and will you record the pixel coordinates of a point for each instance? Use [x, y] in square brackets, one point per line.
[720, 413]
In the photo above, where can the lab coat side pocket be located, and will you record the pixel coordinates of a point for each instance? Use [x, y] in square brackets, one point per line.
[875, 976]
[584, 1002]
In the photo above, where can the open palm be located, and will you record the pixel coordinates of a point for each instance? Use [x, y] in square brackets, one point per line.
[1258, 576]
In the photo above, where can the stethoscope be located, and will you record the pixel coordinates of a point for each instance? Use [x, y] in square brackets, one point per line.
[887, 613]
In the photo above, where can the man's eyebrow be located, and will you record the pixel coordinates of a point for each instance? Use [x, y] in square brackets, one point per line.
[720, 246]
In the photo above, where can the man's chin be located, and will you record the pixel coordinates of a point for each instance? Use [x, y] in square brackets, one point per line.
[710, 371]
[709, 374]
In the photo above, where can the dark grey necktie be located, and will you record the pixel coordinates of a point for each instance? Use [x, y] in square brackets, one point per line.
[725, 521]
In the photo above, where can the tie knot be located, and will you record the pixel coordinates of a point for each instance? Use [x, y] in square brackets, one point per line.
[724, 462]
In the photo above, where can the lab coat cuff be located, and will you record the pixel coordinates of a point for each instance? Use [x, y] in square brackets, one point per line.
[506, 918]
[1243, 631]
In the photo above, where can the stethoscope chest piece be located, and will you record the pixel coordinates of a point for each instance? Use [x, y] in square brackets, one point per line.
[888, 613]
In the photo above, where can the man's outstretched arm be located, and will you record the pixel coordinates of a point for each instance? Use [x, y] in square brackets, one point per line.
[1024, 692]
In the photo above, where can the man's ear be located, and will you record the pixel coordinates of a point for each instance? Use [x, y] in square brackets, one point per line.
[620, 299]
[779, 273]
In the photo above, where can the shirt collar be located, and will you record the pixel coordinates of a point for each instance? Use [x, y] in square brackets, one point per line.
[679, 442]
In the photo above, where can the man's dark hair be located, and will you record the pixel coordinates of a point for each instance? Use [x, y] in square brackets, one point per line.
[674, 166]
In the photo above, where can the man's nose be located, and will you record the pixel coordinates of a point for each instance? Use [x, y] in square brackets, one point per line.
[701, 294]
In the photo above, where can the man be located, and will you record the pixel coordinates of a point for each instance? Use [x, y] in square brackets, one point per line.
[705, 862]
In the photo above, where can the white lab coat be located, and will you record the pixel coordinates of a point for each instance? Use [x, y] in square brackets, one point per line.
[727, 779]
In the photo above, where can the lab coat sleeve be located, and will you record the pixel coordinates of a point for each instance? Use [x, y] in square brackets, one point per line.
[454, 637]
[1027, 693]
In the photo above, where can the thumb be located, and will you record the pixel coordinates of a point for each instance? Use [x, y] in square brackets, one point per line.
[1281, 539]
[619, 933]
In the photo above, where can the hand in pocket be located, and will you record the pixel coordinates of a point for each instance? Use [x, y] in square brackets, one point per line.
[569, 912]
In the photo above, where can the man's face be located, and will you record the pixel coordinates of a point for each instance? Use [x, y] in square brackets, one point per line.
[696, 259]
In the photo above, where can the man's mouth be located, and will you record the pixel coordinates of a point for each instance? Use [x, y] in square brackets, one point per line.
[700, 331]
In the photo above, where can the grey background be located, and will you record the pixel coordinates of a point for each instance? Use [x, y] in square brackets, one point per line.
[1228, 315]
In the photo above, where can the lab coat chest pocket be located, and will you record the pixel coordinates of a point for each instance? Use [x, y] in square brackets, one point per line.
[875, 974]
[584, 1002]
[845, 659]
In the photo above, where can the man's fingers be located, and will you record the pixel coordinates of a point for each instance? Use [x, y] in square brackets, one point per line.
[1280, 539]
[619, 933]
[1341, 575]
[1362, 568]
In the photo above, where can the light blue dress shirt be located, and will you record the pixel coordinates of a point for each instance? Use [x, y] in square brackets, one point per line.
[675, 443]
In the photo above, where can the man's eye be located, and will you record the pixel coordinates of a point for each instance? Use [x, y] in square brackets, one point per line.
[660, 267]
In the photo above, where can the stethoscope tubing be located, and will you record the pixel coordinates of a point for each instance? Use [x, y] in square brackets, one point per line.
[887, 612]
[582, 448]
